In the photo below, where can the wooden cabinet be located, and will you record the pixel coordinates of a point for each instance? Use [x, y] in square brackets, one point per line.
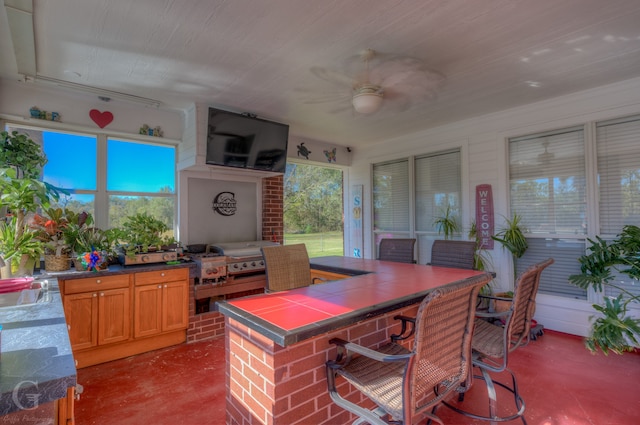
[161, 302]
[98, 311]
[115, 316]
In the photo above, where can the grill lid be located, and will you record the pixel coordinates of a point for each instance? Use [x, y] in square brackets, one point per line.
[240, 249]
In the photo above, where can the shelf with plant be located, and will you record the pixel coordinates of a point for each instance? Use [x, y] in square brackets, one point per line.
[615, 327]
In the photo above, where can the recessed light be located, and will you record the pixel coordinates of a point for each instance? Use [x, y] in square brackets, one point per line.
[533, 83]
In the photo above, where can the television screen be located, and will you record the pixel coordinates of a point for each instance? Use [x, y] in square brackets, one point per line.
[242, 141]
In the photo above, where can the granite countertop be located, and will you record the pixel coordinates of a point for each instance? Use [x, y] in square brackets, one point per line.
[119, 269]
[36, 361]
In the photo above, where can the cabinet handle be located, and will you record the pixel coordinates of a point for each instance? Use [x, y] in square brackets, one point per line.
[162, 274]
[102, 294]
[165, 285]
[98, 281]
[95, 295]
[159, 286]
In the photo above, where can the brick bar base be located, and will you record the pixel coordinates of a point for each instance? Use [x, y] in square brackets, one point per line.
[273, 385]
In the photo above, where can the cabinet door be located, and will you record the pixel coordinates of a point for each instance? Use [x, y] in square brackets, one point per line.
[148, 310]
[114, 318]
[81, 311]
[175, 306]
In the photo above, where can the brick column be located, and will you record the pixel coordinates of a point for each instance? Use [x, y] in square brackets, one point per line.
[272, 208]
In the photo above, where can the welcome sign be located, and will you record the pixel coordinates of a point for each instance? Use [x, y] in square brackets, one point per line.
[484, 215]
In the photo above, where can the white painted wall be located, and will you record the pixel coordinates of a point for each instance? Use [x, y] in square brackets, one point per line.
[483, 144]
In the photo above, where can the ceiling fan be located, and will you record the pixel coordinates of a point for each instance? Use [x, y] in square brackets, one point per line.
[376, 81]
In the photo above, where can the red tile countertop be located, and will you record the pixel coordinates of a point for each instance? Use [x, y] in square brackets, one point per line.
[377, 287]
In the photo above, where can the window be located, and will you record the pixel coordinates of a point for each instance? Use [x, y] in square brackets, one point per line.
[406, 207]
[548, 190]
[391, 199]
[130, 177]
[618, 153]
[313, 208]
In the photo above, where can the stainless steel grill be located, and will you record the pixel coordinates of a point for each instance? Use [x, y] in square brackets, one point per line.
[242, 257]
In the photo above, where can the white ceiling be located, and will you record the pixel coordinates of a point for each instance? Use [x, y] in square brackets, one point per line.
[267, 57]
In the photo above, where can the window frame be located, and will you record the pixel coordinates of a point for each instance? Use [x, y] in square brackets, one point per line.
[101, 200]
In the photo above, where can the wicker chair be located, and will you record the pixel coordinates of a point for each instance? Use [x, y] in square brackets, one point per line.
[459, 254]
[407, 385]
[497, 334]
[286, 267]
[398, 250]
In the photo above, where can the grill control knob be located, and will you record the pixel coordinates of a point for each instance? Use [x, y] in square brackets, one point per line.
[145, 258]
[235, 266]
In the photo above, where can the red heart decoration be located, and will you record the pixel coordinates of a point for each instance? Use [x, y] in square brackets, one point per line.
[103, 119]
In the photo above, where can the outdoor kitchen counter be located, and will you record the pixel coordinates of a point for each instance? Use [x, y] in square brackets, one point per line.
[119, 269]
[278, 343]
[372, 289]
[36, 363]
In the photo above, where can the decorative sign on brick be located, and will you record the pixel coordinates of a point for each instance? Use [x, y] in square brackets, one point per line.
[484, 215]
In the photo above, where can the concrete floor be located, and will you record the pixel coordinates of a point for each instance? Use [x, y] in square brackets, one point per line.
[561, 382]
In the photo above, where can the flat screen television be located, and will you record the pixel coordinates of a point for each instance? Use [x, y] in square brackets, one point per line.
[243, 141]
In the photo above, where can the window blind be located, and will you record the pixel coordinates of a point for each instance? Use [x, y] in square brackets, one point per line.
[618, 149]
[548, 184]
[438, 185]
[555, 278]
[391, 196]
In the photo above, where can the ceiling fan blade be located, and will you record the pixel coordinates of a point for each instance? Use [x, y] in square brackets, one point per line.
[333, 77]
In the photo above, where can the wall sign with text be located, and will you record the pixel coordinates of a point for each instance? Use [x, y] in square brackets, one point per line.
[225, 203]
[484, 215]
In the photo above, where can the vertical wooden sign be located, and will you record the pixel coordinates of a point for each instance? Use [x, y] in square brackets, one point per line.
[357, 237]
[484, 215]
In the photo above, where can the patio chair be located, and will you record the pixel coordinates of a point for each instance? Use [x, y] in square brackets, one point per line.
[407, 385]
[398, 250]
[497, 334]
[286, 267]
[459, 254]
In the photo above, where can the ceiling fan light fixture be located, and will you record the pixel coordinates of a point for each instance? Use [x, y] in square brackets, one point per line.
[367, 99]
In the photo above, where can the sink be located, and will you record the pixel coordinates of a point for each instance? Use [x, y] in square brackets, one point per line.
[19, 291]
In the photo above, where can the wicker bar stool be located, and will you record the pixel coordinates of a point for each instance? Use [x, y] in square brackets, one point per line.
[496, 335]
[286, 267]
[399, 250]
[408, 385]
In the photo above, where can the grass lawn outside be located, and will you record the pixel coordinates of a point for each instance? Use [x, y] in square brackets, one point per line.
[318, 244]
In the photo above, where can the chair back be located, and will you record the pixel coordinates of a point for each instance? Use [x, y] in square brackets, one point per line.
[523, 306]
[442, 344]
[459, 254]
[286, 267]
[398, 250]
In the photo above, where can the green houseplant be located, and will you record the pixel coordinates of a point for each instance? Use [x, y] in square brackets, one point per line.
[447, 223]
[21, 193]
[512, 238]
[614, 328]
[142, 232]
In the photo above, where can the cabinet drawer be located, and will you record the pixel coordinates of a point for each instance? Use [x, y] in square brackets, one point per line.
[161, 276]
[97, 283]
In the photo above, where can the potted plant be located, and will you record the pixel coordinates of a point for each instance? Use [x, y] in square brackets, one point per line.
[19, 248]
[143, 231]
[614, 328]
[49, 228]
[92, 248]
[447, 223]
[21, 194]
[512, 238]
